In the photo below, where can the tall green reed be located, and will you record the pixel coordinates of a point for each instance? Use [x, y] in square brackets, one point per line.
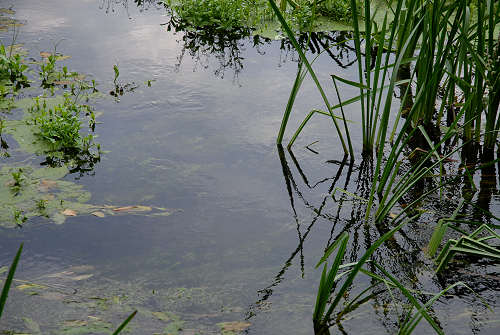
[329, 296]
[307, 64]
[451, 62]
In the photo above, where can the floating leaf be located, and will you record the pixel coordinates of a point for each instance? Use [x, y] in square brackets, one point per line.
[99, 214]
[46, 185]
[45, 54]
[133, 209]
[62, 57]
[162, 316]
[30, 286]
[62, 82]
[234, 326]
[70, 275]
[74, 323]
[69, 212]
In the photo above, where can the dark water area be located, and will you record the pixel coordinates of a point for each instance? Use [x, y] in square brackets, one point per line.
[248, 222]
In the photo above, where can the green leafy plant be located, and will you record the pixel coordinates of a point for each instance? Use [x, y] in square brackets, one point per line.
[19, 217]
[12, 70]
[224, 14]
[61, 125]
[18, 178]
[48, 70]
[60, 128]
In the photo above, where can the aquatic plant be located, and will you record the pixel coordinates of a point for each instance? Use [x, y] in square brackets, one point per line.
[229, 15]
[8, 280]
[18, 178]
[60, 125]
[12, 71]
[48, 70]
[223, 14]
[431, 51]
[328, 297]
[8, 283]
[298, 81]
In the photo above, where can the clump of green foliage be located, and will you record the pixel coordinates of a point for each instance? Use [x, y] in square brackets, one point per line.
[338, 10]
[230, 15]
[12, 70]
[224, 14]
[61, 125]
[18, 178]
[50, 75]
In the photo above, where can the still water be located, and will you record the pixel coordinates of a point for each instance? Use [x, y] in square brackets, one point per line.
[247, 225]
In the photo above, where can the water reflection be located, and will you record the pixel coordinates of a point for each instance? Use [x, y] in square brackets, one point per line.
[226, 47]
[79, 161]
[110, 5]
[401, 255]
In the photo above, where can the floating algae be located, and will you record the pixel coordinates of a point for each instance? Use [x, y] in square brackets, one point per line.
[30, 191]
[39, 192]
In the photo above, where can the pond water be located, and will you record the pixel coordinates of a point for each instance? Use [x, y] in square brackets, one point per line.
[247, 223]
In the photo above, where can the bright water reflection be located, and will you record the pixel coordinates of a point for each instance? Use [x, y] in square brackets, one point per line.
[253, 219]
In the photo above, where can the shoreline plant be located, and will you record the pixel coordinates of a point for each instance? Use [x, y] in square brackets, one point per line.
[443, 56]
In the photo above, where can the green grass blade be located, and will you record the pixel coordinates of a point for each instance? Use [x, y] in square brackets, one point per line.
[125, 323]
[332, 248]
[291, 100]
[8, 280]
[359, 264]
[304, 59]
[412, 300]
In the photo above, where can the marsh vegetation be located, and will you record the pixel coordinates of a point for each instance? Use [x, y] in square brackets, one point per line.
[403, 103]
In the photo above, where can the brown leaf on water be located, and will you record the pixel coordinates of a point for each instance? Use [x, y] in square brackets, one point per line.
[62, 57]
[46, 185]
[45, 54]
[99, 214]
[234, 326]
[53, 296]
[126, 208]
[81, 277]
[69, 212]
[133, 209]
[74, 323]
[29, 286]
[62, 82]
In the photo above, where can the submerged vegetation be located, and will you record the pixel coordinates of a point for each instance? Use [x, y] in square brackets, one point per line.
[8, 283]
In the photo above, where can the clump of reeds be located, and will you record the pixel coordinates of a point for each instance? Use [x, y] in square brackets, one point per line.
[445, 60]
